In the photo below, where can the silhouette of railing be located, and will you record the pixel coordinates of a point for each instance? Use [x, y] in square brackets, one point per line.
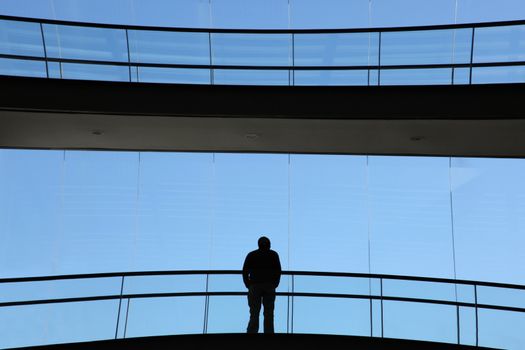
[443, 54]
[369, 298]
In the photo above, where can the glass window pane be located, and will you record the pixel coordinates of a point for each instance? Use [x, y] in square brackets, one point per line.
[165, 316]
[495, 75]
[54, 69]
[24, 68]
[86, 43]
[57, 323]
[250, 194]
[70, 288]
[488, 204]
[417, 47]
[472, 11]
[501, 329]
[467, 326]
[329, 14]
[228, 283]
[30, 202]
[345, 49]
[164, 284]
[461, 76]
[331, 316]
[251, 49]
[419, 290]
[331, 77]
[21, 38]
[420, 321]
[501, 296]
[499, 44]
[101, 72]
[410, 226]
[462, 45]
[99, 212]
[431, 76]
[251, 77]
[253, 14]
[169, 13]
[332, 284]
[173, 75]
[388, 13]
[328, 213]
[94, 11]
[175, 221]
[147, 46]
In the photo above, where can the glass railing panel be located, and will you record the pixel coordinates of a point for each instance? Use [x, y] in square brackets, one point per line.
[495, 75]
[147, 46]
[164, 316]
[332, 284]
[430, 76]
[467, 326]
[419, 290]
[85, 43]
[420, 321]
[341, 316]
[499, 44]
[226, 283]
[54, 70]
[461, 76]
[341, 49]
[501, 296]
[251, 49]
[377, 330]
[23, 68]
[21, 38]
[462, 45]
[422, 47]
[250, 77]
[102, 72]
[57, 323]
[331, 77]
[165, 284]
[501, 329]
[172, 75]
[466, 293]
[230, 314]
[57, 289]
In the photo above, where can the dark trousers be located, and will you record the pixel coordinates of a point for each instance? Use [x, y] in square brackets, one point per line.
[257, 293]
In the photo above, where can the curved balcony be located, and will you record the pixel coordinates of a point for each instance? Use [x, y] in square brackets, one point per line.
[81, 308]
[445, 54]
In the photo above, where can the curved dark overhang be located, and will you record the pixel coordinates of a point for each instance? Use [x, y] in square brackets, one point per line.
[461, 120]
[257, 341]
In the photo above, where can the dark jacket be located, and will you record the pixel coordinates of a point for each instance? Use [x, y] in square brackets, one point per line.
[262, 266]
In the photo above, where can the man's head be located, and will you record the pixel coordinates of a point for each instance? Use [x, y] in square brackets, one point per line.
[264, 243]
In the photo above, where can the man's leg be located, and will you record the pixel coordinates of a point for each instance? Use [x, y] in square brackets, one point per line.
[269, 304]
[254, 301]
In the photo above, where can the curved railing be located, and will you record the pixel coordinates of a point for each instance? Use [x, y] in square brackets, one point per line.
[73, 308]
[444, 54]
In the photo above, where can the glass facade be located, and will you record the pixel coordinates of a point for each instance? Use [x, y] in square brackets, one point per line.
[66, 212]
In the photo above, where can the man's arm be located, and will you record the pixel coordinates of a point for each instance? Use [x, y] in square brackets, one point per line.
[246, 271]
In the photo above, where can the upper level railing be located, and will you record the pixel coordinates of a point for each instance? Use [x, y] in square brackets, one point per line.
[444, 54]
[73, 308]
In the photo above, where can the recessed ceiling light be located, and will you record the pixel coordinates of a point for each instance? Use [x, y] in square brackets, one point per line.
[251, 136]
[97, 132]
[416, 138]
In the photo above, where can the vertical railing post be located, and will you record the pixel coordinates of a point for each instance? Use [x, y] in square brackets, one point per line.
[476, 309]
[379, 69]
[381, 295]
[293, 291]
[206, 307]
[129, 56]
[45, 49]
[126, 322]
[457, 322]
[471, 55]
[119, 306]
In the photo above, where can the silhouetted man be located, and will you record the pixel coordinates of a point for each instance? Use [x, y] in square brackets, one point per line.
[261, 273]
